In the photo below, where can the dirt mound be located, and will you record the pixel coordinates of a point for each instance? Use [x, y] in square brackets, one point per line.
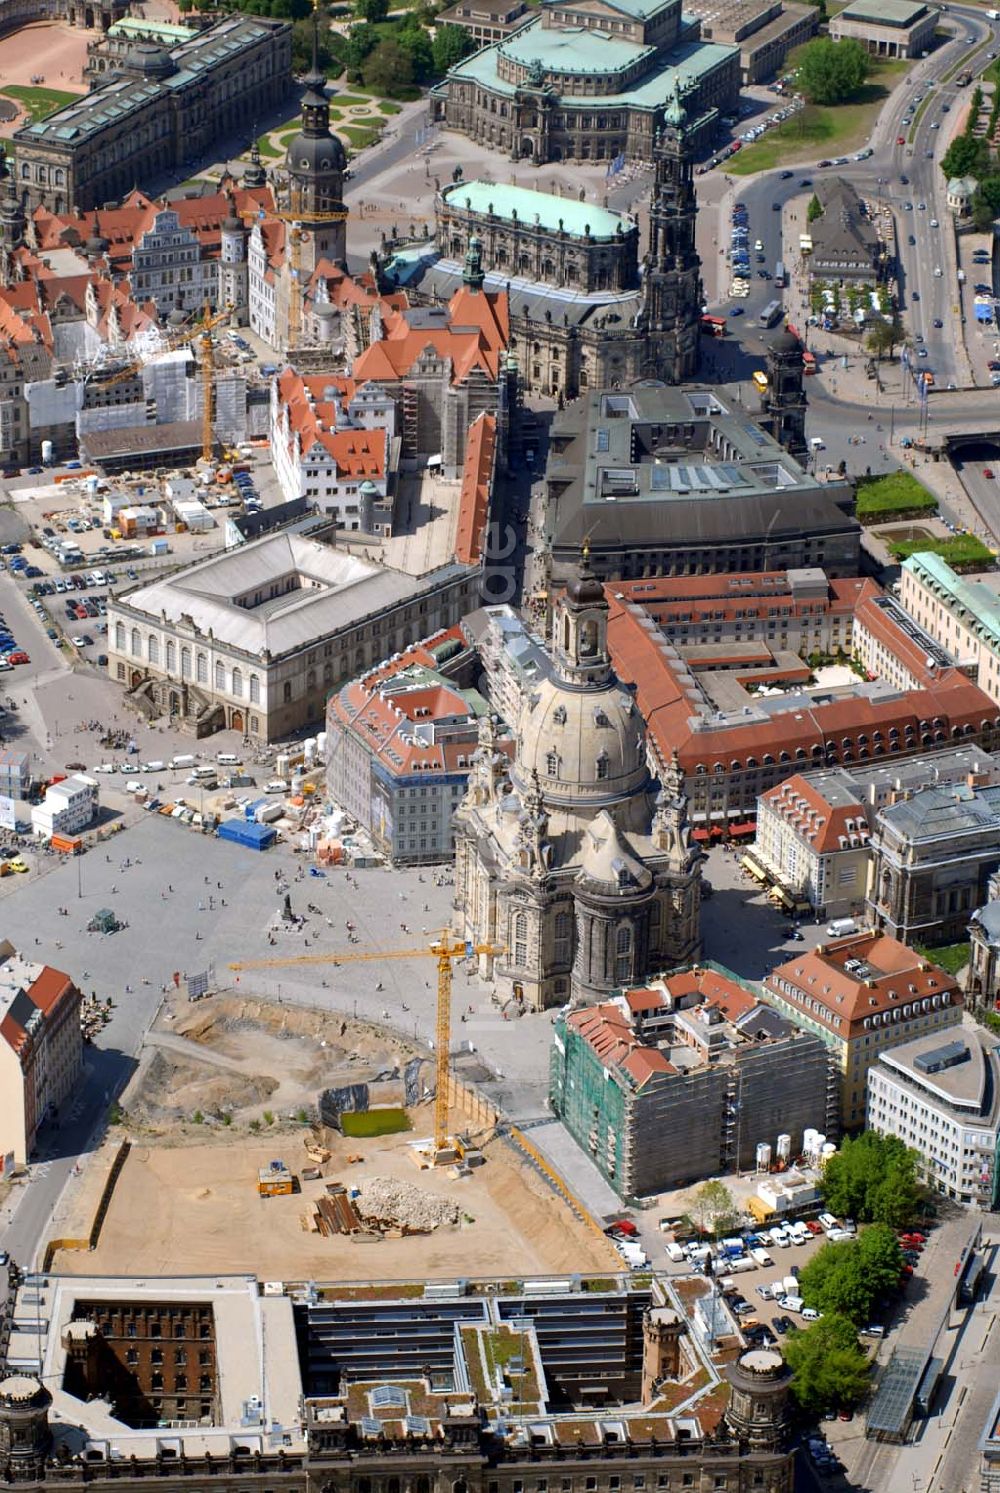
[172, 1089]
[387, 1200]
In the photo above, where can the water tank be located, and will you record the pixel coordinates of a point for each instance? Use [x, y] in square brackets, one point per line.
[321, 743]
[809, 1137]
[92, 482]
[784, 1147]
[829, 1150]
[309, 749]
[48, 453]
[763, 1157]
[281, 765]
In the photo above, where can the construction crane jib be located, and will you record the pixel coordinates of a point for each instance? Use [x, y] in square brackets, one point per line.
[445, 950]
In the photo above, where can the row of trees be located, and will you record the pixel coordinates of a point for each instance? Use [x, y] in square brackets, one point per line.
[830, 1366]
[873, 1179]
[970, 155]
[391, 57]
[848, 1278]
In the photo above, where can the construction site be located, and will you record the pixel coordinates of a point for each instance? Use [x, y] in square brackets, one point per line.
[232, 1167]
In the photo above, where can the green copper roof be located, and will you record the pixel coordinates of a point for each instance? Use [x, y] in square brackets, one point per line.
[161, 30]
[571, 50]
[688, 63]
[535, 207]
[979, 603]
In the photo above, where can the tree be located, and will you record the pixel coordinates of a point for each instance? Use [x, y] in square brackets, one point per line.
[302, 45]
[884, 336]
[814, 210]
[414, 42]
[966, 156]
[873, 1178]
[848, 1278]
[715, 1208]
[831, 72]
[387, 68]
[450, 45]
[371, 11]
[829, 1365]
[356, 48]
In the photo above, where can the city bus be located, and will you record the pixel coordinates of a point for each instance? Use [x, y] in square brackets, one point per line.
[772, 313]
[714, 326]
[779, 275]
[928, 1386]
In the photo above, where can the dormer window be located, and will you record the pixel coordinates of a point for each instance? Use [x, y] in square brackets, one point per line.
[559, 716]
[552, 764]
[602, 765]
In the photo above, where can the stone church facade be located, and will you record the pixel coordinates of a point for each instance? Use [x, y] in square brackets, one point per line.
[579, 864]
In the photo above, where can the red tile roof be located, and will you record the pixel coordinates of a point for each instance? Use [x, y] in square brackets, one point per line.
[824, 826]
[886, 630]
[893, 976]
[643, 658]
[477, 482]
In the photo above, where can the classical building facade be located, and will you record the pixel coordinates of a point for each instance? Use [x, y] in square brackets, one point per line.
[584, 875]
[614, 328]
[588, 81]
[535, 236]
[41, 1049]
[933, 856]
[164, 108]
[94, 15]
[254, 639]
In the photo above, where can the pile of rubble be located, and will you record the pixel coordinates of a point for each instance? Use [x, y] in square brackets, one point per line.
[385, 1203]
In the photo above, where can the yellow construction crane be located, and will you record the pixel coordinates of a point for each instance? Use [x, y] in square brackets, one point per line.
[445, 950]
[202, 332]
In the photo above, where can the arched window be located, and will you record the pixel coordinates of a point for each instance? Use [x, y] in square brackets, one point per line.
[220, 674]
[552, 764]
[201, 668]
[171, 656]
[602, 765]
[254, 689]
[120, 636]
[286, 692]
[185, 663]
[521, 940]
[153, 649]
[136, 643]
[311, 681]
[237, 682]
[623, 954]
[562, 928]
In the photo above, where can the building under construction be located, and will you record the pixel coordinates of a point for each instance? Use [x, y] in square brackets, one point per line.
[685, 1078]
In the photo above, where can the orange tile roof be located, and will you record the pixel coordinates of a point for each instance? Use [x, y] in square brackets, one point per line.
[886, 630]
[475, 337]
[824, 826]
[642, 658]
[893, 976]
[477, 482]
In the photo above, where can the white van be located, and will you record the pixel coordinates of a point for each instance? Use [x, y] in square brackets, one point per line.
[841, 927]
[761, 1256]
[185, 759]
[204, 775]
[817, 443]
[228, 759]
[675, 1253]
[792, 1303]
[155, 766]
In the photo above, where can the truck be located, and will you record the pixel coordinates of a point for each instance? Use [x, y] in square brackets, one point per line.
[841, 928]
[928, 1386]
[771, 314]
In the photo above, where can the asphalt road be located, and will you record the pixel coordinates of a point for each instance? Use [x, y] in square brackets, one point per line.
[878, 178]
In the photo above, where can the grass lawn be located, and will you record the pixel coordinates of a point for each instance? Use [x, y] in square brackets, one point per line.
[386, 106]
[992, 73]
[366, 1123]
[958, 549]
[951, 956]
[820, 129]
[39, 101]
[359, 138]
[268, 151]
[345, 100]
[899, 492]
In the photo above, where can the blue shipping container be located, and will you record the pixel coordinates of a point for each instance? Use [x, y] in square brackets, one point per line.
[253, 836]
